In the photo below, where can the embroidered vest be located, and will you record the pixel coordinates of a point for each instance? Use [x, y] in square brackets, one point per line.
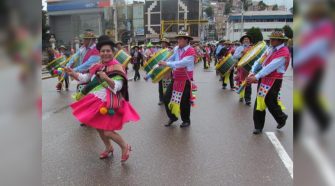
[283, 52]
[325, 30]
[181, 73]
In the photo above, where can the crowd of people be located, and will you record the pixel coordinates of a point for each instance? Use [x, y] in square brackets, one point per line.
[102, 100]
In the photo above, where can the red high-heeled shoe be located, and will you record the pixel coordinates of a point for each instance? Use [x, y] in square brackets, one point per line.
[126, 155]
[105, 154]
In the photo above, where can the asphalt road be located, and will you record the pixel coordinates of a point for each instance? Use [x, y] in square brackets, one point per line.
[218, 149]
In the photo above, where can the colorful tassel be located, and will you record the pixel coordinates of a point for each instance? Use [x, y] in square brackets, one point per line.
[103, 110]
[175, 108]
[111, 112]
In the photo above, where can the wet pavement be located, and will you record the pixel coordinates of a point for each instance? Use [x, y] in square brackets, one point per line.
[217, 149]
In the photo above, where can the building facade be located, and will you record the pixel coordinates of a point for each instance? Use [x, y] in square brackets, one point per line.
[219, 19]
[267, 21]
[138, 22]
[117, 18]
[167, 10]
[68, 19]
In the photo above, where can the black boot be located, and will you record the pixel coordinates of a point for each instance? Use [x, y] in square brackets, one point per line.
[257, 131]
[281, 125]
[170, 123]
[185, 124]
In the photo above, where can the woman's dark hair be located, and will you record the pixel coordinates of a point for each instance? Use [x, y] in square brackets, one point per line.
[105, 40]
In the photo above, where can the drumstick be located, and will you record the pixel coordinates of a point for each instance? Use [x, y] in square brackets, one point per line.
[244, 84]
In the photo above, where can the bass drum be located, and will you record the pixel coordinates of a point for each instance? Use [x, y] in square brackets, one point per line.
[247, 61]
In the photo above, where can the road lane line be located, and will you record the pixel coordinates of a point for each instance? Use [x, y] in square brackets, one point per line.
[45, 116]
[321, 159]
[281, 152]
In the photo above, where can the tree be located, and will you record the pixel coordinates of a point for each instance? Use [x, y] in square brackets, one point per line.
[275, 7]
[255, 34]
[227, 9]
[262, 5]
[288, 31]
[294, 9]
[209, 11]
[246, 4]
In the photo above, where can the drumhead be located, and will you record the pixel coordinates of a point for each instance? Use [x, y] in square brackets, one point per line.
[156, 55]
[122, 57]
[223, 61]
[161, 52]
[159, 74]
[57, 60]
[252, 54]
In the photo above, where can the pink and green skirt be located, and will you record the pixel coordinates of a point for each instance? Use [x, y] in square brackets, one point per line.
[87, 111]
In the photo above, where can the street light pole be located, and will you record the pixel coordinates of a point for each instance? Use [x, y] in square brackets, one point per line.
[178, 18]
[115, 19]
[242, 23]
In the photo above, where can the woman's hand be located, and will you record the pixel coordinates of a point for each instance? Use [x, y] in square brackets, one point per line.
[162, 63]
[251, 74]
[102, 75]
[251, 79]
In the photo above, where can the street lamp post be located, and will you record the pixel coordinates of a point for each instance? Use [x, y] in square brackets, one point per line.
[242, 23]
[113, 2]
[76, 43]
[52, 41]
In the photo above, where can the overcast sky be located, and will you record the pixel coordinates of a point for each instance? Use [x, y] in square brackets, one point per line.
[287, 3]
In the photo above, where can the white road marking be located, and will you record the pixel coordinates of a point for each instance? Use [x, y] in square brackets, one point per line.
[45, 116]
[281, 152]
[321, 159]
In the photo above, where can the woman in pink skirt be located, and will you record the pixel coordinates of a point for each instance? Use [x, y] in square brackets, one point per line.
[103, 103]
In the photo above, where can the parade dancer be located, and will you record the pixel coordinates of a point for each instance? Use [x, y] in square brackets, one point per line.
[208, 54]
[62, 53]
[204, 56]
[103, 103]
[229, 76]
[241, 73]
[178, 94]
[198, 51]
[137, 59]
[218, 48]
[270, 79]
[162, 84]
[310, 62]
[141, 50]
[149, 52]
[118, 45]
[85, 57]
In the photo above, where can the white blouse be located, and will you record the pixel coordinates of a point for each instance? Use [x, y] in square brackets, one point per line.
[101, 94]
